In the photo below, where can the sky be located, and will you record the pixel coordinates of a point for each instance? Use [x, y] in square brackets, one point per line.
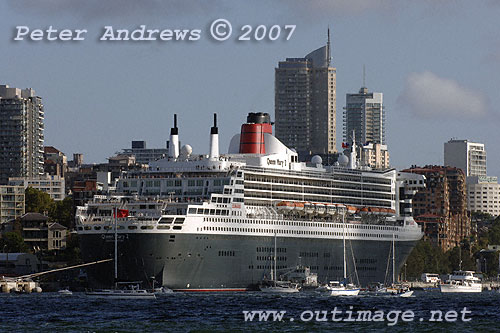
[436, 62]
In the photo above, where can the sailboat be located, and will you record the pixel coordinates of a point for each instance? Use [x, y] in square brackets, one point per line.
[278, 286]
[336, 288]
[397, 289]
[132, 292]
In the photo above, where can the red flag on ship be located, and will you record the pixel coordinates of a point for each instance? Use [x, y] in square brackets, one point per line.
[345, 145]
[121, 213]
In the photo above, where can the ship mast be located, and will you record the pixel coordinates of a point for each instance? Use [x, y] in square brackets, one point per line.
[393, 261]
[275, 250]
[116, 247]
[343, 241]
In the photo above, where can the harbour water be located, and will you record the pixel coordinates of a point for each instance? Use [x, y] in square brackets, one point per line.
[223, 312]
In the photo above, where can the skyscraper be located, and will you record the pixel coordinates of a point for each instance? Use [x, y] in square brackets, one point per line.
[21, 133]
[305, 102]
[466, 155]
[364, 114]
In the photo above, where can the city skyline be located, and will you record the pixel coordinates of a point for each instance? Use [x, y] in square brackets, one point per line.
[434, 63]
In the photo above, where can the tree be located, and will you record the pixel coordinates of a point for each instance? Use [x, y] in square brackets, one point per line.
[13, 243]
[63, 212]
[37, 201]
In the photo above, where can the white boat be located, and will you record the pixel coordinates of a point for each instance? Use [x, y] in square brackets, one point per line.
[283, 287]
[121, 294]
[400, 290]
[65, 291]
[462, 282]
[162, 291]
[336, 288]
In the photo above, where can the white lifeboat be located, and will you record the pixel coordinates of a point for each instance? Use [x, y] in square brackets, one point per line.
[331, 209]
[285, 206]
[351, 209]
[309, 208]
[320, 208]
[298, 206]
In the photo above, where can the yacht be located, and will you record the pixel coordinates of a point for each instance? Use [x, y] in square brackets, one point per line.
[462, 282]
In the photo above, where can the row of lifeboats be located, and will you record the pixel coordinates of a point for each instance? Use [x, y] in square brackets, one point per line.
[328, 208]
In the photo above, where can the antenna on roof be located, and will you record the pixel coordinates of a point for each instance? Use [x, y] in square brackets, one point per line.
[328, 54]
[364, 76]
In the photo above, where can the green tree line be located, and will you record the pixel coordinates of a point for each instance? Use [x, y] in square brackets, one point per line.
[426, 258]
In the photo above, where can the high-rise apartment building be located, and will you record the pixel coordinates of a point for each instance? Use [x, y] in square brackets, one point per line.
[441, 207]
[483, 195]
[11, 202]
[305, 102]
[21, 133]
[466, 155]
[365, 116]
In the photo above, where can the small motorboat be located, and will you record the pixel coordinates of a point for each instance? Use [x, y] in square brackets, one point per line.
[65, 292]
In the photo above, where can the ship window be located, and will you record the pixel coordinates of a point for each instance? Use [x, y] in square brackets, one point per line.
[177, 227]
[163, 227]
[192, 211]
[132, 227]
[179, 220]
[97, 228]
[144, 227]
[166, 220]
[212, 211]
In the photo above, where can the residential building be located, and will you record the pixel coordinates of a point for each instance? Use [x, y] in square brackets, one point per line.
[483, 195]
[84, 190]
[145, 155]
[11, 202]
[76, 162]
[441, 207]
[55, 162]
[374, 155]
[466, 155]
[21, 133]
[40, 234]
[364, 116]
[305, 103]
[52, 185]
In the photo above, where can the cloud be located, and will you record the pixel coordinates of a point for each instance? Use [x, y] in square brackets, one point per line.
[430, 96]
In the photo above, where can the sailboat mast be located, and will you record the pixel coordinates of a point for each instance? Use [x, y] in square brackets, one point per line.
[459, 258]
[116, 247]
[275, 250]
[343, 241]
[393, 261]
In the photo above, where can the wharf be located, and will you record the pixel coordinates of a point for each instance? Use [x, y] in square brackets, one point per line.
[8, 285]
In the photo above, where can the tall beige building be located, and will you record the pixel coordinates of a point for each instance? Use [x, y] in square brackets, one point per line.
[483, 195]
[305, 102]
[374, 155]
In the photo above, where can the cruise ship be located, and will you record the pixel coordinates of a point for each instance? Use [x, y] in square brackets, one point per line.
[210, 222]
